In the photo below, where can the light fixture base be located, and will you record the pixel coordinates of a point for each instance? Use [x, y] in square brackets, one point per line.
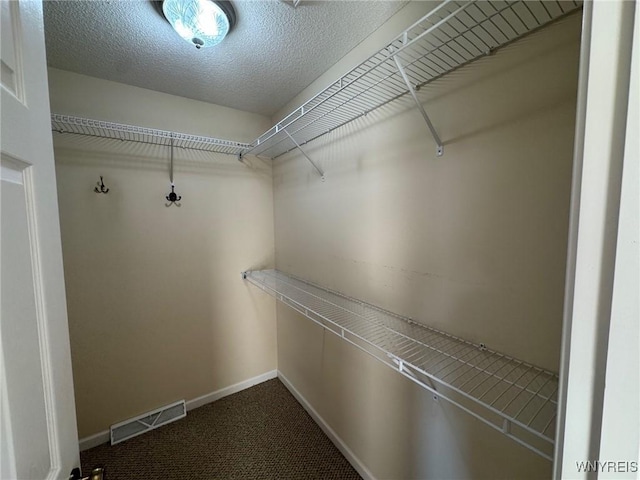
[203, 23]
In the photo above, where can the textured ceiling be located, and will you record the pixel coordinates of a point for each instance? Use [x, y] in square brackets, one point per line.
[272, 54]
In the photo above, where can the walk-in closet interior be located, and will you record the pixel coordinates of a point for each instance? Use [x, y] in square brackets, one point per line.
[374, 209]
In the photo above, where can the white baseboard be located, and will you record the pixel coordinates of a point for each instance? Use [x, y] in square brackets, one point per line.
[94, 440]
[104, 436]
[223, 392]
[333, 436]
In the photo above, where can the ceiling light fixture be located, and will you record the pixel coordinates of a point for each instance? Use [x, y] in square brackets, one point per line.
[204, 23]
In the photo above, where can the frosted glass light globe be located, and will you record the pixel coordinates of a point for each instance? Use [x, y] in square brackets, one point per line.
[200, 22]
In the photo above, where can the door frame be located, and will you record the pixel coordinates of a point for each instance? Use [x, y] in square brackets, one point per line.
[598, 397]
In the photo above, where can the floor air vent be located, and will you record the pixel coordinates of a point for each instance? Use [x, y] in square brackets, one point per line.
[148, 421]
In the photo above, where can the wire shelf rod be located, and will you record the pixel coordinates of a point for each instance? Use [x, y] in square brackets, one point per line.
[323, 130]
[377, 65]
[97, 128]
[501, 394]
[549, 423]
[444, 337]
[531, 397]
[478, 373]
[349, 98]
[432, 347]
[465, 363]
[507, 43]
[496, 380]
[539, 410]
[506, 387]
[515, 364]
[330, 129]
[464, 370]
[438, 351]
[448, 37]
[444, 340]
[231, 150]
[339, 83]
[284, 123]
[517, 414]
[430, 388]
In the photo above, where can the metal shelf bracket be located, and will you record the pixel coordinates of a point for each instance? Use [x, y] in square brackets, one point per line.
[412, 91]
[318, 169]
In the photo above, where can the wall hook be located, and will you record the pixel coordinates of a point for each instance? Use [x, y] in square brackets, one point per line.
[102, 188]
[173, 197]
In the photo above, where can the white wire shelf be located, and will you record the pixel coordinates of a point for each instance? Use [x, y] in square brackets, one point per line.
[452, 35]
[514, 397]
[133, 133]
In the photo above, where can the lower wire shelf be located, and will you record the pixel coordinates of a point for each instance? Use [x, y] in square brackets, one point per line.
[514, 397]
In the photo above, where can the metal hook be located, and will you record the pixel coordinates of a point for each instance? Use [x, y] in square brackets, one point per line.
[102, 188]
[173, 197]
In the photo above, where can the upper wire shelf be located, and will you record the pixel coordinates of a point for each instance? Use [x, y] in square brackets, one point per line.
[512, 396]
[453, 34]
[133, 133]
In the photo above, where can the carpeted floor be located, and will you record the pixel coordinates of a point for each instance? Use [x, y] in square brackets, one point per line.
[261, 432]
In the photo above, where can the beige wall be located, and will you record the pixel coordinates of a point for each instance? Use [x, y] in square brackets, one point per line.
[157, 308]
[473, 243]
[74, 94]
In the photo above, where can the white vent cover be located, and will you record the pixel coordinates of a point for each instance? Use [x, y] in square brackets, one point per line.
[147, 421]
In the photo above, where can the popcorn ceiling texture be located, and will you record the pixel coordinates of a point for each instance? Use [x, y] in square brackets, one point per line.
[271, 55]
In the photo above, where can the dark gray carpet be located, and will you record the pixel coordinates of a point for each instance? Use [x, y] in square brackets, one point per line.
[261, 432]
